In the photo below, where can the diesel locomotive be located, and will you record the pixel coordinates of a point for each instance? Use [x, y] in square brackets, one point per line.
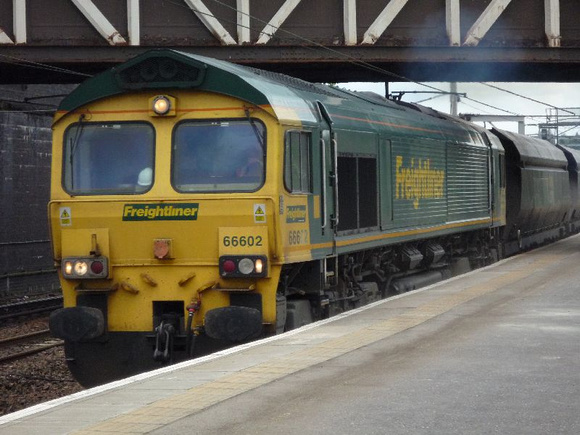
[196, 203]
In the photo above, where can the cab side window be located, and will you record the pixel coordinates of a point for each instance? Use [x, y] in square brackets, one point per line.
[297, 164]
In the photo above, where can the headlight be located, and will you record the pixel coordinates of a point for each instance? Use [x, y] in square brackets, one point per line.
[81, 268]
[161, 105]
[246, 266]
[85, 267]
[243, 266]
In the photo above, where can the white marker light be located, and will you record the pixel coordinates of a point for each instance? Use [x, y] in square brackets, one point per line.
[161, 105]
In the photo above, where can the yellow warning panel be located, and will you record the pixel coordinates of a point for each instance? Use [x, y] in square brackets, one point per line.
[260, 213]
[243, 240]
[65, 216]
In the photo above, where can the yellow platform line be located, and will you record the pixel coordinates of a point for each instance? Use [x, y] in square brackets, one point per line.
[196, 399]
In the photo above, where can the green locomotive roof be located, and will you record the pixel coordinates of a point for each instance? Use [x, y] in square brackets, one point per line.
[170, 69]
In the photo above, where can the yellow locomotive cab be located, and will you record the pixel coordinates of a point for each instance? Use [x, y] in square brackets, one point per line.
[163, 221]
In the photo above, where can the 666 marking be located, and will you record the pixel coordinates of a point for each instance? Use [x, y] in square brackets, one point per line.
[298, 237]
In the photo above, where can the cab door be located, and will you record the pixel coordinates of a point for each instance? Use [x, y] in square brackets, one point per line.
[327, 183]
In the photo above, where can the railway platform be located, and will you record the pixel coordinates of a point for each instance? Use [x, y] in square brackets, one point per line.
[494, 351]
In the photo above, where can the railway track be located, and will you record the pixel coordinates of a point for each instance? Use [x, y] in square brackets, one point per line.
[22, 346]
[32, 366]
[26, 344]
[27, 309]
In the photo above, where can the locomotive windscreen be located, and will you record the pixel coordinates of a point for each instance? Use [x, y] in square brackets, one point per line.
[108, 158]
[218, 156]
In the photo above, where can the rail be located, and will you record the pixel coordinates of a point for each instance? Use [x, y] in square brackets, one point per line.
[32, 350]
[26, 309]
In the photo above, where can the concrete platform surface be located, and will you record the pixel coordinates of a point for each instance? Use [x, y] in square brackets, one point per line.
[493, 351]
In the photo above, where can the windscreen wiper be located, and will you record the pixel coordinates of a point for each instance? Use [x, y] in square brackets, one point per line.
[255, 128]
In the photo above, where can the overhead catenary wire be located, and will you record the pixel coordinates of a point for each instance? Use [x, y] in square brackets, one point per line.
[430, 98]
[476, 108]
[525, 97]
[493, 107]
[570, 129]
[31, 64]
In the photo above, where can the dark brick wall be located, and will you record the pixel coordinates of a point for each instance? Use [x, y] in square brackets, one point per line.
[25, 173]
[25, 157]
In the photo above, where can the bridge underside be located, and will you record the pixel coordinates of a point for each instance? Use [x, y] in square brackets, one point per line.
[335, 64]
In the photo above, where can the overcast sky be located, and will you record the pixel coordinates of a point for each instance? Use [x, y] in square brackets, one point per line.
[562, 95]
